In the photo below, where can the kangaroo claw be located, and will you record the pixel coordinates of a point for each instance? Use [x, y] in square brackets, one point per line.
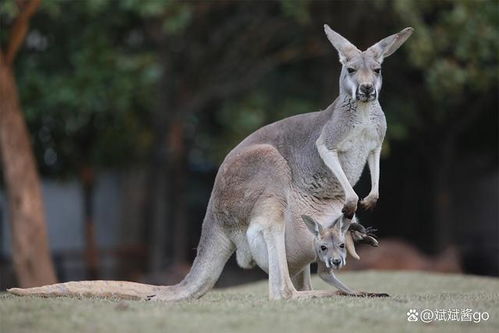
[370, 240]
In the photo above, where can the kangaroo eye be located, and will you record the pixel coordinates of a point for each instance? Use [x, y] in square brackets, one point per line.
[351, 70]
[342, 245]
[323, 248]
[377, 70]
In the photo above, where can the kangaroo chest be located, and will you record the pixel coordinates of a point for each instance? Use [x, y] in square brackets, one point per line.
[362, 137]
[362, 131]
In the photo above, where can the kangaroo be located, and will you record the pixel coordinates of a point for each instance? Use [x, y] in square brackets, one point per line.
[302, 165]
[330, 249]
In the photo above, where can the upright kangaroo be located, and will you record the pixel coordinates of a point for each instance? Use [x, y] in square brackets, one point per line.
[305, 166]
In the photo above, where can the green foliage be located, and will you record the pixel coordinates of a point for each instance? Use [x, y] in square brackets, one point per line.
[89, 73]
[86, 92]
[88, 79]
[458, 48]
[8, 9]
[297, 9]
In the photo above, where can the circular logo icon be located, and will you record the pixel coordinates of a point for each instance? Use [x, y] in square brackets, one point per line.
[427, 315]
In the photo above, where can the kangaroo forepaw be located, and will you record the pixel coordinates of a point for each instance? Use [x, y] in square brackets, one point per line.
[349, 209]
[369, 202]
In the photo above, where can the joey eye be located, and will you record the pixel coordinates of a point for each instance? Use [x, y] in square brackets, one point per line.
[351, 70]
[342, 246]
[323, 248]
[377, 70]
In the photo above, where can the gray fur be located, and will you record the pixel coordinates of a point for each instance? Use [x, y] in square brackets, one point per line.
[302, 165]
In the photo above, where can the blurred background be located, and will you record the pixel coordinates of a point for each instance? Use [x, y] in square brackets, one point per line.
[115, 115]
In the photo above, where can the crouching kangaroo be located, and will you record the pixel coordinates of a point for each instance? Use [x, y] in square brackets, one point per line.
[302, 165]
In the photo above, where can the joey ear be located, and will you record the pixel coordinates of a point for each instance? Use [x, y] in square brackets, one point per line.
[346, 50]
[342, 223]
[387, 46]
[312, 225]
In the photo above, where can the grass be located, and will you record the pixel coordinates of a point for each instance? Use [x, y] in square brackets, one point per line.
[247, 309]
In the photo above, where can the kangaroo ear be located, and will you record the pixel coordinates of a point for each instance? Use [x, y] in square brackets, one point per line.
[390, 44]
[312, 225]
[346, 50]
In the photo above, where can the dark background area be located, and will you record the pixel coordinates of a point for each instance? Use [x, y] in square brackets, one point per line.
[154, 94]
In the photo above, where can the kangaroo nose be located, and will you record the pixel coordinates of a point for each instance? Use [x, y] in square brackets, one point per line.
[336, 262]
[366, 88]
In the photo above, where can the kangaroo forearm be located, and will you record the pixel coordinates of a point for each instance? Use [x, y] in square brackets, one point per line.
[373, 161]
[332, 161]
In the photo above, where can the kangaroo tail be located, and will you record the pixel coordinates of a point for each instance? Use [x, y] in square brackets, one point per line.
[214, 249]
[98, 288]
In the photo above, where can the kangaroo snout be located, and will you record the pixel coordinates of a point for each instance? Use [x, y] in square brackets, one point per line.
[366, 89]
[366, 92]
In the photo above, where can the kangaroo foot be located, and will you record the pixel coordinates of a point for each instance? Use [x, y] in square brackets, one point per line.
[360, 234]
[308, 294]
[167, 294]
[355, 226]
[370, 241]
[361, 294]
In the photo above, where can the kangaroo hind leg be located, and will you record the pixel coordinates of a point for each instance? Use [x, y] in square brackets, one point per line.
[269, 216]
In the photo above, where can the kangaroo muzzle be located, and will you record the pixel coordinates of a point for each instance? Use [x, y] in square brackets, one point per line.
[366, 93]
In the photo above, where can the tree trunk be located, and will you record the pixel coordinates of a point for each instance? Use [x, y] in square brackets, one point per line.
[31, 254]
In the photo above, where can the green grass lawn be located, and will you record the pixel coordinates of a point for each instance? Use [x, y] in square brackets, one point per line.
[247, 309]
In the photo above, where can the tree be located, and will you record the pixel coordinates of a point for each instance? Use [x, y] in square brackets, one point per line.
[31, 254]
[92, 97]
